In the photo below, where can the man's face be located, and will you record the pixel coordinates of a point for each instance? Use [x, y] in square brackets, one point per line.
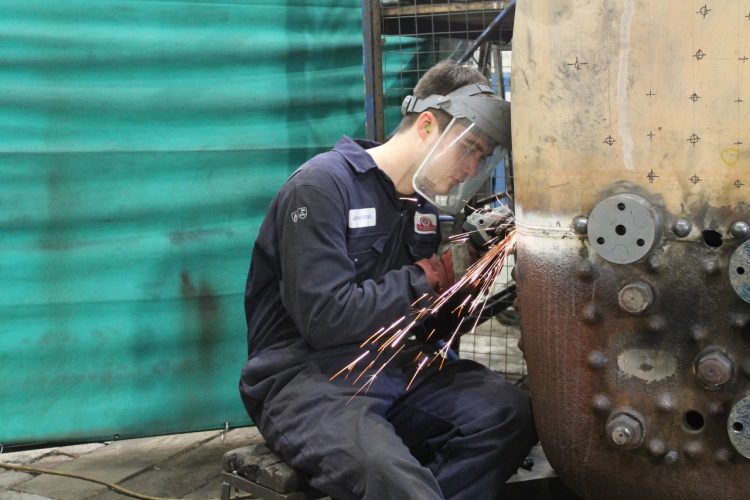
[457, 157]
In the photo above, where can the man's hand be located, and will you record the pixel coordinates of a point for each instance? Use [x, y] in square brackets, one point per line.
[439, 271]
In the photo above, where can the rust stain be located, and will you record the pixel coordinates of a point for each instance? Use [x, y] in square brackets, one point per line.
[186, 286]
[180, 237]
[56, 337]
[208, 313]
[202, 308]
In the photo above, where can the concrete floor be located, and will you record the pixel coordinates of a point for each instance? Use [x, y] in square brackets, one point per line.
[175, 466]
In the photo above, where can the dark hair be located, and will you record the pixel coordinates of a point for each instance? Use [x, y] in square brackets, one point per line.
[442, 79]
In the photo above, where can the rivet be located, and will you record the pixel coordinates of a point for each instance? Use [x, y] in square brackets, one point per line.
[666, 402]
[591, 314]
[682, 227]
[693, 449]
[740, 229]
[517, 304]
[601, 403]
[597, 360]
[585, 270]
[581, 225]
[716, 408]
[711, 265]
[655, 262]
[698, 333]
[657, 447]
[723, 455]
[635, 297]
[656, 323]
[671, 457]
[739, 320]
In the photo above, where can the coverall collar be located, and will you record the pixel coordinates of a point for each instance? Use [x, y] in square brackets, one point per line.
[360, 161]
[354, 152]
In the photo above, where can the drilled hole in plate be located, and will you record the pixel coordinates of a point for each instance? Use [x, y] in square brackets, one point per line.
[740, 270]
[620, 229]
[640, 242]
[712, 238]
[738, 426]
[621, 206]
[693, 420]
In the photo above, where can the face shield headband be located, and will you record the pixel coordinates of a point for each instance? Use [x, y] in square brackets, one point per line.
[470, 148]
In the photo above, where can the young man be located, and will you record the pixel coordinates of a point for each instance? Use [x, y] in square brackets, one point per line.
[346, 248]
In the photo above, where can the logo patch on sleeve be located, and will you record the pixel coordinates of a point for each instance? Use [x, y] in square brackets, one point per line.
[425, 223]
[362, 217]
[299, 214]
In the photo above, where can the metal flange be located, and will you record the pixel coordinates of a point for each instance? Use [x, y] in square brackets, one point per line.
[738, 426]
[623, 228]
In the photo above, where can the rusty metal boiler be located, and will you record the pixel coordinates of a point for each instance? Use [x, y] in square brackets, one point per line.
[631, 127]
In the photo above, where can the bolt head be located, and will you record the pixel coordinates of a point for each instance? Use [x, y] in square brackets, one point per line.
[714, 369]
[635, 297]
[624, 430]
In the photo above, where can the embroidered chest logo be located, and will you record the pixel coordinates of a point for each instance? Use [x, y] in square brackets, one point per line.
[299, 214]
[425, 223]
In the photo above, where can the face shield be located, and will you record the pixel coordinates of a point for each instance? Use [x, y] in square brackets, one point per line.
[468, 150]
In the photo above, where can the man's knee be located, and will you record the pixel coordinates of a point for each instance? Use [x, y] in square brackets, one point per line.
[512, 417]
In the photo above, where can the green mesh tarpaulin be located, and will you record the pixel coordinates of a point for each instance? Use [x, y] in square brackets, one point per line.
[140, 145]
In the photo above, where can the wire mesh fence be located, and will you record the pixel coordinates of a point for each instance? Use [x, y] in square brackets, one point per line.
[413, 36]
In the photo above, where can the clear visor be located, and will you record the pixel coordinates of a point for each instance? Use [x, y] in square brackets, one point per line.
[457, 166]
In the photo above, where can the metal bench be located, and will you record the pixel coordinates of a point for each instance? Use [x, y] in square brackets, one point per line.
[256, 469]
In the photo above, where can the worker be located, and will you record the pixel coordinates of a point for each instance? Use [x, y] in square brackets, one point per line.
[347, 246]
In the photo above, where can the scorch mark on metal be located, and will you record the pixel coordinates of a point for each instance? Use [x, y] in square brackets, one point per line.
[622, 86]
[649, 365]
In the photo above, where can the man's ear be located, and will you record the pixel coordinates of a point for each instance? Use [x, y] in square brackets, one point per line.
[426, 125]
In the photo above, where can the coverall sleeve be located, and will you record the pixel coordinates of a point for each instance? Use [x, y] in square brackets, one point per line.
[318, 286]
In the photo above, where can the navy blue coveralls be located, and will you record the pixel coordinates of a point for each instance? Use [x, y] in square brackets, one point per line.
[333, 263]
